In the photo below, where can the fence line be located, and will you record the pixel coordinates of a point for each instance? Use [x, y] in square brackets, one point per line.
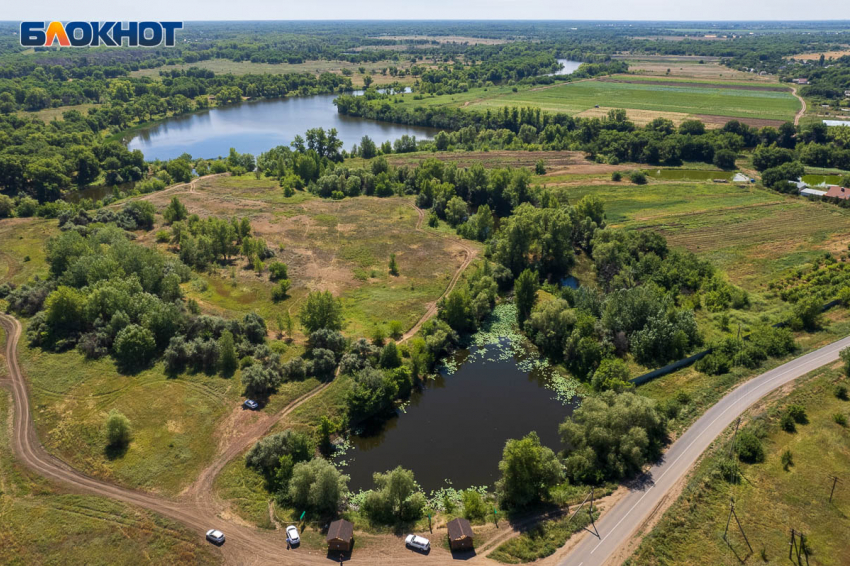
[685, 362]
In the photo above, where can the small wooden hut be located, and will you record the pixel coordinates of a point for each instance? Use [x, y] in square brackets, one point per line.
[340, 535]
[460, 534]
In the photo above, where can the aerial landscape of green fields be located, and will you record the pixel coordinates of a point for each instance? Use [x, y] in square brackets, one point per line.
[445, 285]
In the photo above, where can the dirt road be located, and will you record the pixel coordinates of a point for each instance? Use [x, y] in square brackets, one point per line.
[470, 252]
[802, 108]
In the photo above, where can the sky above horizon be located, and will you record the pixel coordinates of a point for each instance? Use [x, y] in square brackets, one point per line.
[727, 10]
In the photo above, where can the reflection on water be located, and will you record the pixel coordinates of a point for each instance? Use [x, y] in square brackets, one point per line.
[456, 427]
[569, 67]
[258, 125]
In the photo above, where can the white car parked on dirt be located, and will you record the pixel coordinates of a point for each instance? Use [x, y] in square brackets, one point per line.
[215, 536]
[417, 543]
[292, 535]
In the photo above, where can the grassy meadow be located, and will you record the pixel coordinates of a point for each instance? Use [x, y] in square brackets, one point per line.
[41, 525]
[772, 498]
[753, 234]
[342, 246]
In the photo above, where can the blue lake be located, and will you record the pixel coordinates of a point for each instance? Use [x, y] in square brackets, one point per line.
[258, 125]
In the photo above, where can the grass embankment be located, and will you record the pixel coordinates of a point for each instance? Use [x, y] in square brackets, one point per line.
[41, 525]
[542, 540]
[580, 96]
[771, 499]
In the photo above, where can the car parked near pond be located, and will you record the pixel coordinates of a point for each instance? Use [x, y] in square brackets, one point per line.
[292, 535]
[417, 543]
[215, 536]
[251, 404]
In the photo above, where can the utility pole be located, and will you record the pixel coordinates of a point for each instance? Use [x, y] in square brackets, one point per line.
[800, 548]
[592, 521]
[734, 436]
[595, 531]
[832, 491]
[738, 522]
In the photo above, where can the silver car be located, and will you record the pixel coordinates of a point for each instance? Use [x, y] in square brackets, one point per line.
[292, 535]
[417, 543]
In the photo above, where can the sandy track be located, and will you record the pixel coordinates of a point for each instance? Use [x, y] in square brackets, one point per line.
[470, 252]
[188, 187]
[802, 108]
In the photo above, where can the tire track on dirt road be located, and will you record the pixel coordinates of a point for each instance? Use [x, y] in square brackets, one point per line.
[431, 311]
[802, 108]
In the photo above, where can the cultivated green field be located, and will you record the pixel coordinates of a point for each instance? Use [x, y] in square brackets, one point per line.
[577, 97]
[771, 499]
[753, 234]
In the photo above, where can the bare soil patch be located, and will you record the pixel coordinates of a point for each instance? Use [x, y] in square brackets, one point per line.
[816, 56]
[639, 117]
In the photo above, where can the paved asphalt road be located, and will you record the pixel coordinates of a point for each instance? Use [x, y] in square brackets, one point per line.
[618, 524]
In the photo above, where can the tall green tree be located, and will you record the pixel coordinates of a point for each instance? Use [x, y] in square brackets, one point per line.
[321, 310]
[612, 436]
[175, 211]
[528, 470]
[118, 430]
[396, 497]
[525, 292]
[319, 486]
[227, 353]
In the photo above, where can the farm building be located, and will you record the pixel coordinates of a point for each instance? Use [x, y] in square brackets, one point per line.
[834, 191]
[340, 535]
[812, 193]
[460, 534]
[833, 123]
[801, 81]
